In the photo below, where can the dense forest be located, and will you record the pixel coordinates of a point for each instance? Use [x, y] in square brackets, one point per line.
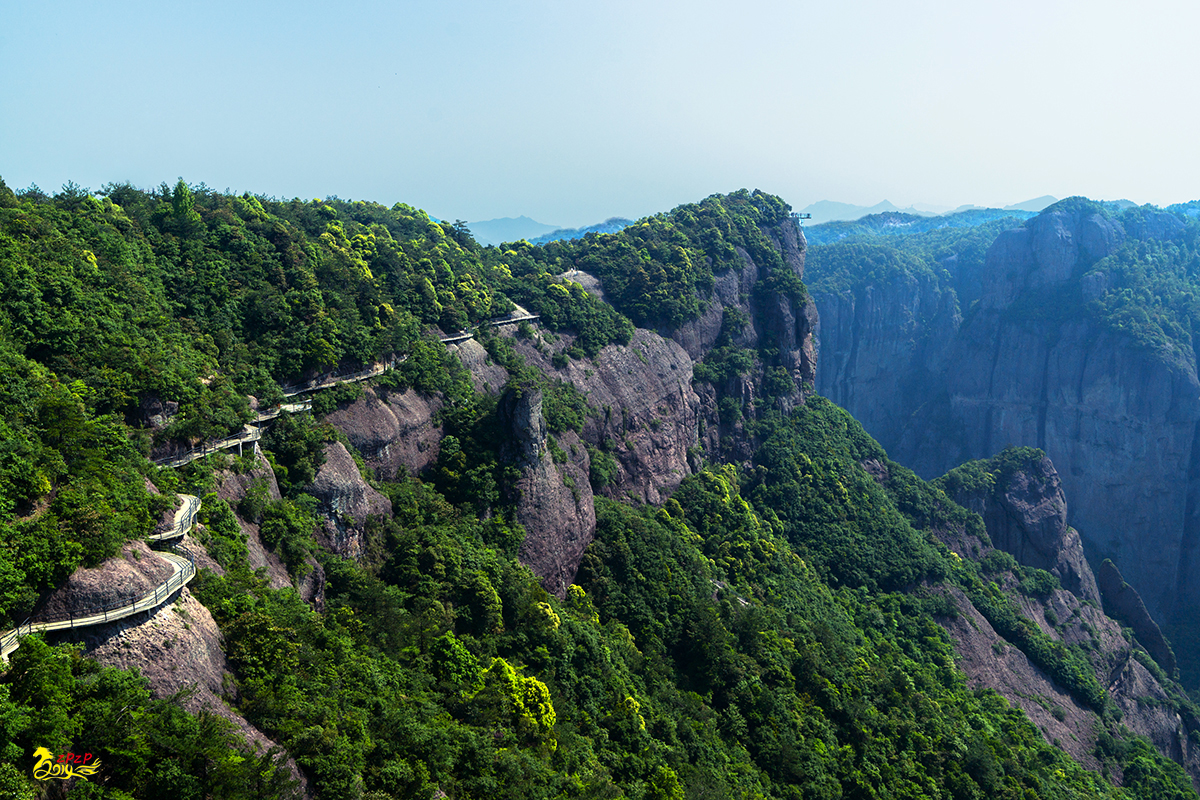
[770, 631]
[1148, 287]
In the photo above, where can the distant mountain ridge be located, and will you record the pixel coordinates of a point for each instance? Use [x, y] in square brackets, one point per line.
[894, 223]
[508, 229]
[831, 211]
[610, 225]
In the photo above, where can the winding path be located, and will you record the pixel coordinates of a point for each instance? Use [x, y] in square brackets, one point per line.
[250, 433]
[183, 570]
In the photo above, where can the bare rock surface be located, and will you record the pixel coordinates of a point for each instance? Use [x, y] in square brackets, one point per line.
[1118, 417]
[1026, 516]
[1123, 602]
[346, 502]
[394, 431]
[789, 325]
[177, 647]
[167, 520]
[989, 661]
[554, 501]
[121, 580]
[1147, 711]
[232, 487]
[646, 410]
[1025, 512]
[486, 375]
[199, 555]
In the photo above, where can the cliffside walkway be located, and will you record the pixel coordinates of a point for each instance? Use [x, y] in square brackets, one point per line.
[184, 516]
[253, 430]
[462, 336]
[250, 433]
[333, 380]
[183, 570]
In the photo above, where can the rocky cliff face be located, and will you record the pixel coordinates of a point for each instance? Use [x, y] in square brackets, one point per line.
[1123, 603]
[232, 487]
[178, 647]
[553, 500]
[1119, 420]
[120, 580]
[393, 431]
[346, 502]
[788, 325]
[646, 413]
[1025, 514]
[881, 346]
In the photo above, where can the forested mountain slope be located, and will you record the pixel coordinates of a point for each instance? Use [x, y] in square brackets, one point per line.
[621, 552]
[1072, 333]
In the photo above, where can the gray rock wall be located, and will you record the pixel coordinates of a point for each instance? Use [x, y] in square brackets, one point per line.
[1118, 419]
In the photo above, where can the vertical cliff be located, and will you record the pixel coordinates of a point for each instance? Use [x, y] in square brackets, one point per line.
[648, 420]
[1020, 498]
[1032, 362]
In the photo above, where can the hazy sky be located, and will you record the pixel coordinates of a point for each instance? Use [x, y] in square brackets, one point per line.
[573, 112]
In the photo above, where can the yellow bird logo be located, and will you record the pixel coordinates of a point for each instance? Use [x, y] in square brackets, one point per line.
[64, 766]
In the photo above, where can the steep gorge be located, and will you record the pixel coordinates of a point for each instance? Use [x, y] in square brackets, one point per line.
[1025, 363]
[644, 411]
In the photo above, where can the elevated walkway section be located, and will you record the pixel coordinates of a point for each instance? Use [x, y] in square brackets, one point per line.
[183, 570]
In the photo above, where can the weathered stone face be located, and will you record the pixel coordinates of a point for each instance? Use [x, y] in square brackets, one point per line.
[1025, 514]
[554, 501]
[647, 414]
[394, 431]
[347, 501]
[1119, 419]
[1026, 517]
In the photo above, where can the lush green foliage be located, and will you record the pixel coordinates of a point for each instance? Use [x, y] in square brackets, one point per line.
[660, 270]
[54, 698]
[765, 634]
[807, 478]
[71, 482]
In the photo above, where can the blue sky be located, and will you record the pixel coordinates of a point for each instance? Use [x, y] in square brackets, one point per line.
[573, 112]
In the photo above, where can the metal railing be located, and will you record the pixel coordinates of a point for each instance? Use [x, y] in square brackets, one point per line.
[208, 448]
[253, 434]
[182, 523]
[183, 572]
[333, 380]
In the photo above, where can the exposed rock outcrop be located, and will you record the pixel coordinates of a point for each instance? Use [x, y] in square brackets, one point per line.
[155, 412]
[1026, 515]
[177, 647]
[129, 576]
[1119, 419]
[882, 347]
[992, 663]
[1049, 249]
[394, 431]
[554, 500]
[646, 411]
[776, 318]
[1122, 601]
[346, 502]
[486, 375]
[232, 487]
